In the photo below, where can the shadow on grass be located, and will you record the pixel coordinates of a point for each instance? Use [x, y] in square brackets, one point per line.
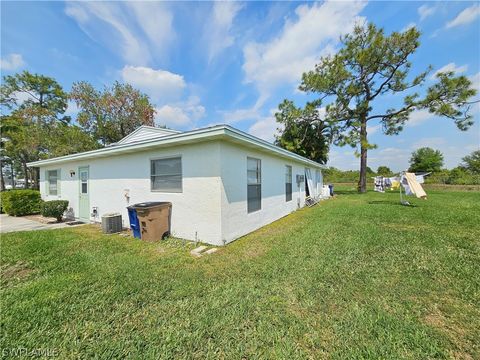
[387, 202]
[345, 192]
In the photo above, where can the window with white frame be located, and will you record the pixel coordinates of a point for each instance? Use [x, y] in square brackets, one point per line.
[254, 184]
[53, 178]
[288, 183]
[166, 174]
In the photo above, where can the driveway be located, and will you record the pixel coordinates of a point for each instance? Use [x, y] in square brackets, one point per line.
[12, 223]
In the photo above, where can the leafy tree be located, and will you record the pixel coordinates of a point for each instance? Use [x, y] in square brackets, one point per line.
[472, 162]
[384, 171]
[426, 159]
[31, 104]
[302, 134]
[40, 96]
[372, 64]
[113, 113]
[69, 139]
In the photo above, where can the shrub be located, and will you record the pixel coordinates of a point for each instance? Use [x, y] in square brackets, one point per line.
[21, 202]
[54, 208]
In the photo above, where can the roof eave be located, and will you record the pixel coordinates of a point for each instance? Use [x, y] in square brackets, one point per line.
[185, 137]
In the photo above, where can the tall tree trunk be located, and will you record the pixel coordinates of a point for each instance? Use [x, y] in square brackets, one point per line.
[2, 179]
[25, 174]
[12, 175]
[362, 182]
[36, 177]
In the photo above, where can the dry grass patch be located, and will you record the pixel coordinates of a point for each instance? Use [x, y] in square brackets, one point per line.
[12, 273]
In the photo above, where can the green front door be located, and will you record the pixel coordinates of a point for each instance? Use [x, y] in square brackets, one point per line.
[84, 190]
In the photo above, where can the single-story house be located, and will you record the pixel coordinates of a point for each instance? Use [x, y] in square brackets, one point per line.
[223, 183]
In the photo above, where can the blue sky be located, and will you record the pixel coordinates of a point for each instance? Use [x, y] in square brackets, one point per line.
[205, 63]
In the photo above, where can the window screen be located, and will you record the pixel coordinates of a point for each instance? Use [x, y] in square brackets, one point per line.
[84, 181]
[254, 184]
[52, 179]
[166, 174]
[288, 183]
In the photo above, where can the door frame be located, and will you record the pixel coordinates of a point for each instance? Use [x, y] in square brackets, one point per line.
[87, 167]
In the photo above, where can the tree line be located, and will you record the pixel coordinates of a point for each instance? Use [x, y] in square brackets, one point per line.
[423, 160]
[34, 124]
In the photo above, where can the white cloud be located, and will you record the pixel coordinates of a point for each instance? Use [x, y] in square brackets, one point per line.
[467, 16]
[315, 32]
[135, 30]
[373, 129]
[11, 62]
[408, 26]
[194, 108]
[217, 30]
[475, 79]
[419, 117]
[265, 128]
[160, 85]
[155, 21]
[22, 96]
[432, 142]
[181, 114]
[234, 116]
[425, 11]
[342, 160]
[167, 92]
[72, 109]
[171, 116]
[450, 67]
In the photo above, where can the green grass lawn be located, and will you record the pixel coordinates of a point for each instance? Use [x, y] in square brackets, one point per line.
[358, 276]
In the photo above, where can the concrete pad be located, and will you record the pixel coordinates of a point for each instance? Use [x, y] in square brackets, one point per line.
[197, 252]
[12, 223]
[211, 251]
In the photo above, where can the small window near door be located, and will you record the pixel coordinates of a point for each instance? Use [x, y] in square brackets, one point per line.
[53, 177]
[254, 185]
[166, 175]
[84, 181]
[288, 183]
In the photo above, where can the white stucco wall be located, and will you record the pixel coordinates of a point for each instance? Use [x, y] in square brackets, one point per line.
[236, 221]
[195, 211]
[213, 205]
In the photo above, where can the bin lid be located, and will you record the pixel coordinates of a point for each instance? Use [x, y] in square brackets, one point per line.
[111, 215]
[149, 204]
